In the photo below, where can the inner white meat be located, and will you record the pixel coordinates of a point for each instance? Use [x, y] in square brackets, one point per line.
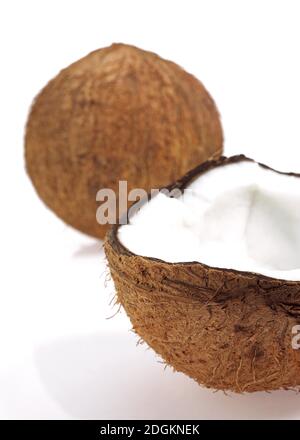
[238, 216]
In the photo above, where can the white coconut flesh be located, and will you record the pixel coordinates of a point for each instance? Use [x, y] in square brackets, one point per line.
[237, 216]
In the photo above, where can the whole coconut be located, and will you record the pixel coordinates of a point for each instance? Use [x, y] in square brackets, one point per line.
[120, 113]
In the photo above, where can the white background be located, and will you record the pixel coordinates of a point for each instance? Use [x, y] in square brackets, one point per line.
[60, 356]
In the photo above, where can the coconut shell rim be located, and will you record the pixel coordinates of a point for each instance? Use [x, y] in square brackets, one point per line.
[182, 183]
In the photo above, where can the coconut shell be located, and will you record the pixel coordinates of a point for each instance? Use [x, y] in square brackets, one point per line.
[228, 330]
[120, 113]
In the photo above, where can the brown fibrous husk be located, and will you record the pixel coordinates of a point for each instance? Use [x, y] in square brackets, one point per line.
[120, 113]
[228, 330]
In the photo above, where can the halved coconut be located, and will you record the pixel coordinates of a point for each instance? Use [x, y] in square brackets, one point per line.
[211, 278]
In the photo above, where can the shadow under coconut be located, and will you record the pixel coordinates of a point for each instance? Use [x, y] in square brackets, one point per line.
[107, 376]
[89, 250]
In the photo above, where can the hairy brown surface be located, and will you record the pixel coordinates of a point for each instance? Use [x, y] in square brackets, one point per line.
[120, 113]
[226, 329]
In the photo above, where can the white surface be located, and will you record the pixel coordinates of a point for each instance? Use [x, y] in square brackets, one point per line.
[60, 357]
[238, 216]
